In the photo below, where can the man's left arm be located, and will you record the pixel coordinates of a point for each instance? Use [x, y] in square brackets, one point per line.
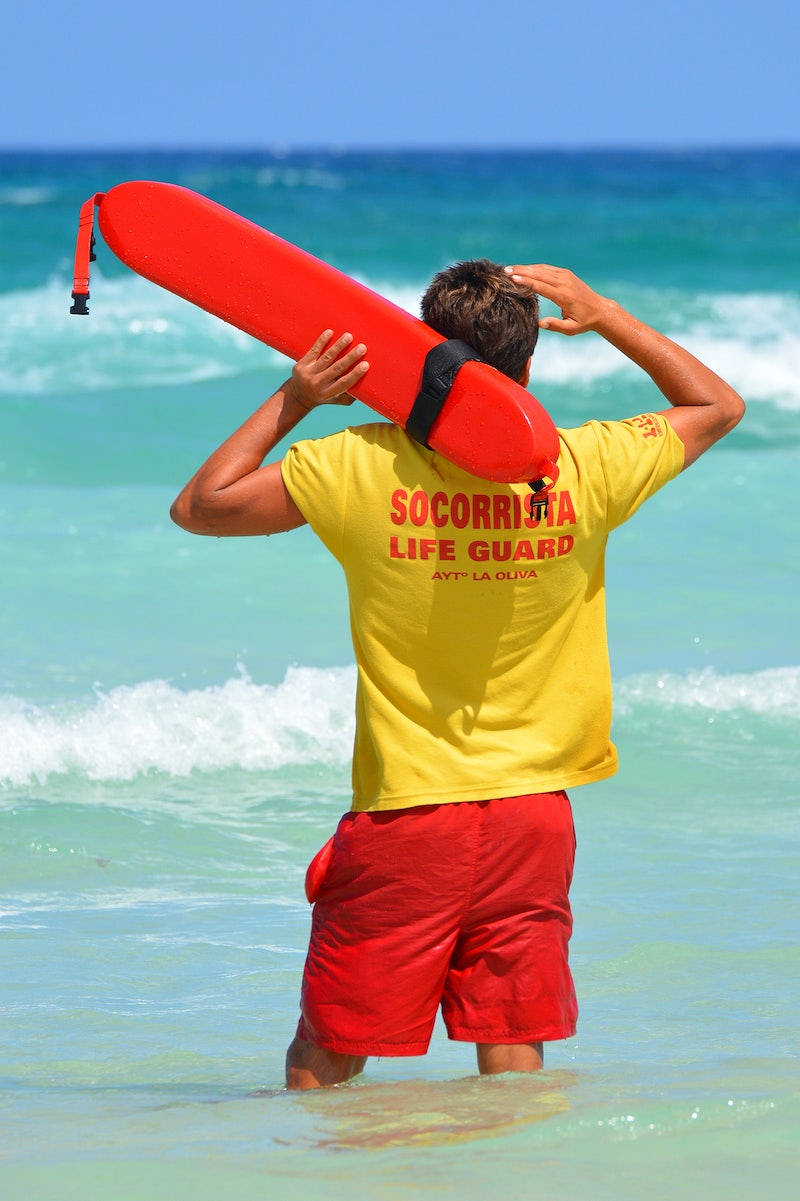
[232, 494]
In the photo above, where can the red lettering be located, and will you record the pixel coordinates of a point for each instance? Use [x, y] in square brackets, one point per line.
[418, 508]
[524, 550]
[479, 551]
[480, 512]
[399, 497]
[459, 510]
[437, 517]
[422, 548]
[546, 548]
[648, 425]
[565, 544]
[501, 551]
[566, 512]
[501, 512]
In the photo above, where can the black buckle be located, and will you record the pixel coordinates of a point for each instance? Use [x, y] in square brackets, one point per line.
[537, 507]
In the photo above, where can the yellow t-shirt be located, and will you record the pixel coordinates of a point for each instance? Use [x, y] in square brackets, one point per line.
[479, 633]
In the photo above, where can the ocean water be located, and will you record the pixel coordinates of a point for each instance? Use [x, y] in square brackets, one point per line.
[175, 712]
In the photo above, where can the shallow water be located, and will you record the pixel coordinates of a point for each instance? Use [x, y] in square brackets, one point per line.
[175, 713]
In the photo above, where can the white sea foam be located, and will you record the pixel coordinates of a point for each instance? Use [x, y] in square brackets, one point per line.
[752, 340]
[139, 335]
[305, 720]
[154, 726]
[773, 692]
[299, 177]
[25, 196]
[136, 334]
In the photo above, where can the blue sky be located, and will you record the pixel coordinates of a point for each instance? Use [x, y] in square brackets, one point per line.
[360, 74]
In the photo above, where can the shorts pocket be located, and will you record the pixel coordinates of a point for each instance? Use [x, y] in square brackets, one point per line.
[317, 870]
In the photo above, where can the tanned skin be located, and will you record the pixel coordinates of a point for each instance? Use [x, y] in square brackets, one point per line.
[705, 408]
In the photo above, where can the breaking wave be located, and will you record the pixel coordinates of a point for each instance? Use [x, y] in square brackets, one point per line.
[140, 335]
[306, 719]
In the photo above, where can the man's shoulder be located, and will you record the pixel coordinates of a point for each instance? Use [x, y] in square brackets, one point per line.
[621, 463]
[376, 433]
[340, 449]
[643, 429]
[579, 442]
[577, 433]
[373, 433]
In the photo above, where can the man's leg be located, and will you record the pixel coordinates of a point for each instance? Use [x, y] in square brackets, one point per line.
[504, 1057]
[309, 1066]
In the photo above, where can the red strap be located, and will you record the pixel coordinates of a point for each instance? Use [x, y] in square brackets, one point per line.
[83, 253]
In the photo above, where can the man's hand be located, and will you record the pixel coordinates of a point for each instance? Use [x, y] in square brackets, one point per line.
[705, 408]
[325, 373]
[232, 494]
[582, 309]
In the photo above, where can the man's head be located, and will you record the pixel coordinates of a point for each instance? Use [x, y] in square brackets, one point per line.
[478, 303]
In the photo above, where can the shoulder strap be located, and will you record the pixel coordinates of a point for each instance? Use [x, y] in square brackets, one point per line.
[442, 364]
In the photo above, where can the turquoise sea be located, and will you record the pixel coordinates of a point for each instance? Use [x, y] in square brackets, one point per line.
[175, 712]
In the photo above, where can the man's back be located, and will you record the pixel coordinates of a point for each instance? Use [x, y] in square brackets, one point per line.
[479, 631]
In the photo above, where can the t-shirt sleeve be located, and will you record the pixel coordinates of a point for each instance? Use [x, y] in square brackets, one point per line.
[314, 471]
[638, 456]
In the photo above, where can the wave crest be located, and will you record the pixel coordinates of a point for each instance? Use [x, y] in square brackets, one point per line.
[156, 727]
[773, 692]
[140, 335]
[137, 335]
[307, 719]
[25, 196]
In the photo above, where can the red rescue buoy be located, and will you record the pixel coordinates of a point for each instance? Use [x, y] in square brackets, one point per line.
[186, 243]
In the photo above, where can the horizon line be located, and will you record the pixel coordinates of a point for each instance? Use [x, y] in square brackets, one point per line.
[281, 150]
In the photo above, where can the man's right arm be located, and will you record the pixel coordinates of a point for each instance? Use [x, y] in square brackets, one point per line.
[232, 494]
[704, 407]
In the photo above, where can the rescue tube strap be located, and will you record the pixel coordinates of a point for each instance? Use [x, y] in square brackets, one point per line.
[442, 364]
[84, 254]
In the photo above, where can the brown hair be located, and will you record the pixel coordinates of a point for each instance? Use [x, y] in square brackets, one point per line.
[477, 302]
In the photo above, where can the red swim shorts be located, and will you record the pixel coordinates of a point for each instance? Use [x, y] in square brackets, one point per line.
[463, 904]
